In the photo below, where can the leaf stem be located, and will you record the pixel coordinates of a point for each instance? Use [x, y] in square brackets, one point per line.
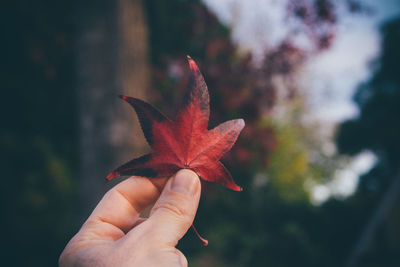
[205, 241]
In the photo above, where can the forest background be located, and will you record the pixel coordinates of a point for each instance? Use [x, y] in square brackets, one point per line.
[63, 129]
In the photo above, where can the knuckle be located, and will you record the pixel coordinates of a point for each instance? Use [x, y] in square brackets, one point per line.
[181, 258]
[173, 209]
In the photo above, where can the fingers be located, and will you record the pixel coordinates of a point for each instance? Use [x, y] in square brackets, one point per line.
[181, 258]
[174, 211]
[122, 205]
[119, 210]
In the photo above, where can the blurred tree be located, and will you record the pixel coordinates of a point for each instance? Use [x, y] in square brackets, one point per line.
[112, 59]
[38, 141]
[377, 128]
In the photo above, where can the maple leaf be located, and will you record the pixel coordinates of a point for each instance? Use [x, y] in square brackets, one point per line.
[184, 143]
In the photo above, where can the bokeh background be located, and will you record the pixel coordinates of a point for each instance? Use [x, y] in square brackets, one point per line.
[317, 82]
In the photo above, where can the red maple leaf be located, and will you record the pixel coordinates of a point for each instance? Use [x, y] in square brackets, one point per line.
[184, 143]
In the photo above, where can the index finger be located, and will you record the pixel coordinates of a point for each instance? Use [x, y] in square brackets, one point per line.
[122, 205]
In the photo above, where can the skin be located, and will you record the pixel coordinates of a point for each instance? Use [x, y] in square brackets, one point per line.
[115, 235]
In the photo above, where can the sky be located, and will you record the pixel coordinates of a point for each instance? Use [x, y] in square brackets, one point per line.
[333, 75]
[331, 78]
[346, 64]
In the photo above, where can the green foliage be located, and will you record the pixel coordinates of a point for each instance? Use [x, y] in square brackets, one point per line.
[288, 166]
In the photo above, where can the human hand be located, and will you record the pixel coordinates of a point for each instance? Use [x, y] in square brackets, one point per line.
[115, 235]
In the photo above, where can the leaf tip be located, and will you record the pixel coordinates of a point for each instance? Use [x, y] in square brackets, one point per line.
[237, 188]
[241, 123]
[234, 187]
[124, 97]
[112, 175]
[192, 64]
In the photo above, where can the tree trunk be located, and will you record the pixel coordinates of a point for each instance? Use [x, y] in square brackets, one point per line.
[112, 59]
[385, 206]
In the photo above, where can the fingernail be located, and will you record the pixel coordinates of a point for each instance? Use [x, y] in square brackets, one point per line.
[184, 182]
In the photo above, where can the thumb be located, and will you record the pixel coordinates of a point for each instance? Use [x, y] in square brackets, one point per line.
[174, 211]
